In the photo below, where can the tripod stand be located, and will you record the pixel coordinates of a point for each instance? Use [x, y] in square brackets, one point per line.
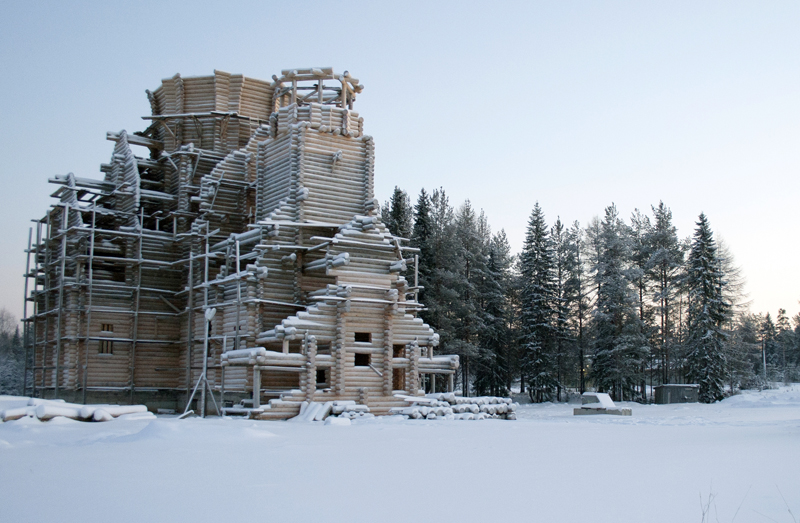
[209, 314]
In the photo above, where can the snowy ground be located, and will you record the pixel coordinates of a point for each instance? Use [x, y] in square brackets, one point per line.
[548, 466]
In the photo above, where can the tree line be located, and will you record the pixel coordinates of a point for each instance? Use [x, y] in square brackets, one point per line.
[616, 305]
[12, 355]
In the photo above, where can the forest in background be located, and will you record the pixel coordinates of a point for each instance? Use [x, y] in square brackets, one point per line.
[615, 305]
[12, 355]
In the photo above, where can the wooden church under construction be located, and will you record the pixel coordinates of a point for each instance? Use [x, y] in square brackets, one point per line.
[251, 198]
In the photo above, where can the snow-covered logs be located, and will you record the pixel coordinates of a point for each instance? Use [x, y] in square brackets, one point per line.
[430, 407]
[311, 411]
[450, 406]
[45, 410]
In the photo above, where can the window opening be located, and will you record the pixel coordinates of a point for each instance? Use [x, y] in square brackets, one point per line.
[364, 337]
[398, 379]
[362, 360]
[107, 346]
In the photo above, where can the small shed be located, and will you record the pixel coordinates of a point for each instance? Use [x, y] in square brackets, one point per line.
[677, 393]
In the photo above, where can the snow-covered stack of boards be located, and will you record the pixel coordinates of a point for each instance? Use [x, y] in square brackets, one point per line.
[449, 406]
[46, 410]
[599, 403]
[315, 411]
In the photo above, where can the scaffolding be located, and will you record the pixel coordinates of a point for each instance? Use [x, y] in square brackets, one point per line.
[254, 198]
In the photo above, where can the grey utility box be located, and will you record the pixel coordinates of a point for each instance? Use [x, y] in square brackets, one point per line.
[673, 393]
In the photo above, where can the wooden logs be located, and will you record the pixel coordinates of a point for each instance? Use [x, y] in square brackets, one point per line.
[311, 367]
[252, 198]
[450, 406]
[46, 410]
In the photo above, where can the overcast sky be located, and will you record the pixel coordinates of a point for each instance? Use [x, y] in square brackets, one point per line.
[572, 104]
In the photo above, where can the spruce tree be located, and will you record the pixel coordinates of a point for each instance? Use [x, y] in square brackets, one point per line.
[397, 214]
[496, 338]
[12, 355]
[440, 267]
[619, 343]
[421, 239]
[785, 340]
[743, 353]
[421, 230]
[769, 348]
[795, 350]
[433, 236]
[469, 276]
[707, 312]
[537, 298]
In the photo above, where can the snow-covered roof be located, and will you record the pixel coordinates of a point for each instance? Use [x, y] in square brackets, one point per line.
[597, 400]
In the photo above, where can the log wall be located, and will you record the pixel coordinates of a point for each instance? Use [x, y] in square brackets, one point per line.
[250, 197]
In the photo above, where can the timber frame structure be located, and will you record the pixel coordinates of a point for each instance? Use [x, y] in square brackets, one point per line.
[255, 199]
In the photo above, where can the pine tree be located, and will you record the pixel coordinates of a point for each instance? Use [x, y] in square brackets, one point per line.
[564, 341]
[641, 251]
[640, 230]
[664, 270]
[619, 343]
[707, 312]
[733, 291]
[537, 298]
[576, 293]
[743, 362]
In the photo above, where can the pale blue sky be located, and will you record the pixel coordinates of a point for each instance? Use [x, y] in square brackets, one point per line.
[573, 104]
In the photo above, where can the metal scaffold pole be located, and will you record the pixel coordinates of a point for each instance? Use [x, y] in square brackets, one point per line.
[89, 304]
[25, 327]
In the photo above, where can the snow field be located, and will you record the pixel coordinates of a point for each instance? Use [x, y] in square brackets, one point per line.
[547, 466]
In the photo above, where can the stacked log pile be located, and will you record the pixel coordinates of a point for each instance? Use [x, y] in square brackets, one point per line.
[45, 410]
[315, 411]
[449, 406]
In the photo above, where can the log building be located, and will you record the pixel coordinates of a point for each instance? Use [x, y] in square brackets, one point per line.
[251, 198]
